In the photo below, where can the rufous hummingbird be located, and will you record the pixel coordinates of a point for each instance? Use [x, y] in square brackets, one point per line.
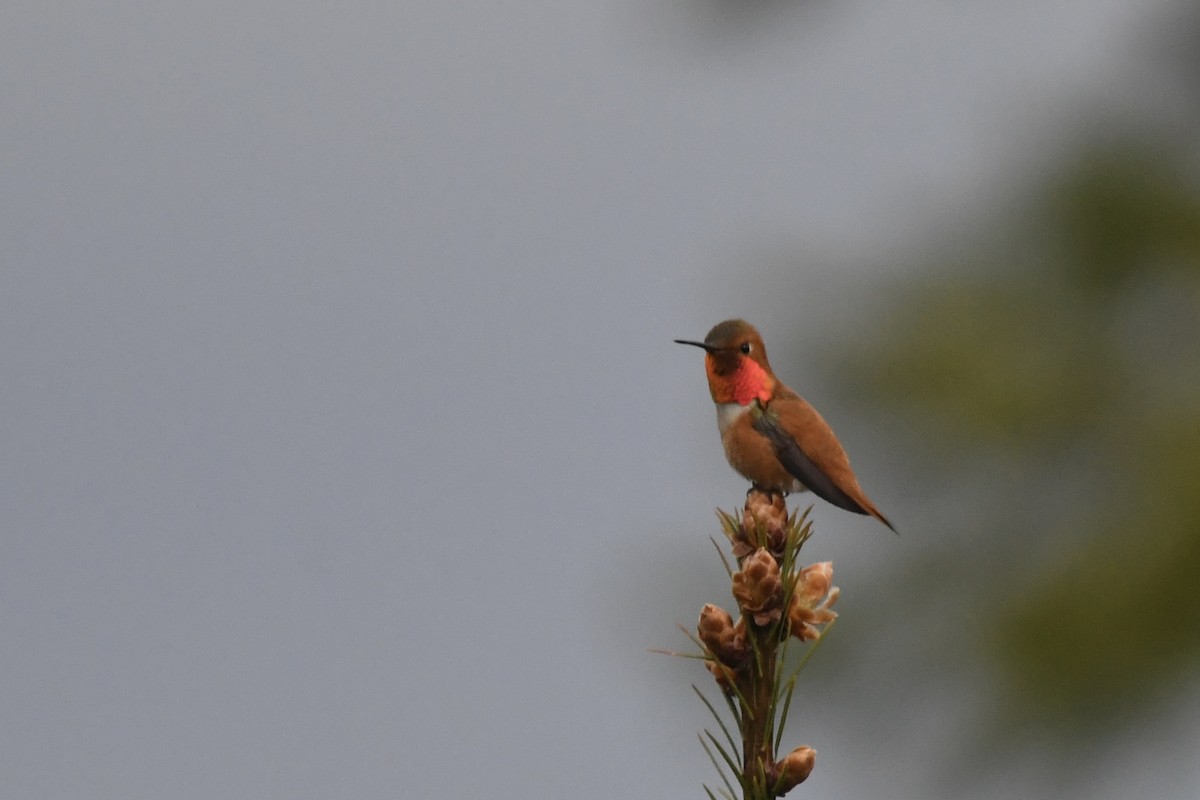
[772, 436]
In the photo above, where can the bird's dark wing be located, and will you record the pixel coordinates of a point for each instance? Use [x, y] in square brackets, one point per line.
[799, 464]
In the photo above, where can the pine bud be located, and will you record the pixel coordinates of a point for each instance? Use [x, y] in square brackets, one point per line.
[811, 601]
[723, 639]
[757, 587]
[764, 524]
[794, 768]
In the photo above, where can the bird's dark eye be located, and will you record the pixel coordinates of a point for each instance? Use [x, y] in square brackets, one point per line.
[746, 348]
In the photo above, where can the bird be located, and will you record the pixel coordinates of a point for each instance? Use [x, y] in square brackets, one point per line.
[771, 435]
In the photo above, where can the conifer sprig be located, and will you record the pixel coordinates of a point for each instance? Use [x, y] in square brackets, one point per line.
[777, 601]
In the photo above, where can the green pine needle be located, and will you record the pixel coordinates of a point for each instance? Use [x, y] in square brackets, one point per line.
[734, 711]
[813, 648]
[729, 760]
[787, 704]
[721, 553]
[716, 716]
[717, 765]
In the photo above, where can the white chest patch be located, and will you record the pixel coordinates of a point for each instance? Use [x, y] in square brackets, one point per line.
[728, 413]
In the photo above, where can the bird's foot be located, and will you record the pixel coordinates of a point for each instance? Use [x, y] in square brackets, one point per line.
[769, 492]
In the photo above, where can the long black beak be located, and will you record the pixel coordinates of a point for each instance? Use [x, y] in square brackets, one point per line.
[707, 347]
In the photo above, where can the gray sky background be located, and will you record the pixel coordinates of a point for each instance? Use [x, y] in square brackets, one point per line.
[343, 448]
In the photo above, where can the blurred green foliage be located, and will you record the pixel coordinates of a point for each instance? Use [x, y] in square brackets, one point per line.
[1057, 359]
